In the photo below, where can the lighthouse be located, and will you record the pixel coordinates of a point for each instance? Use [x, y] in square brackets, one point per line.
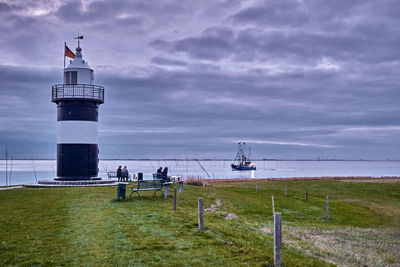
[78, 101]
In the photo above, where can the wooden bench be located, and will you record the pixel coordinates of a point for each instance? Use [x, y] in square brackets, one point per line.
[147, 185]
[112, 175]
[159, 176]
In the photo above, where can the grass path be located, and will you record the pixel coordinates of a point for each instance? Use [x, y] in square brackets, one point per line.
[87, 226]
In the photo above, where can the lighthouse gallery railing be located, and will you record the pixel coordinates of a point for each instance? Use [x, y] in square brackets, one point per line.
[73, 91]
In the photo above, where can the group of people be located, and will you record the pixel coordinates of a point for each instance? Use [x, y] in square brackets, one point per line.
[122, 174]
[163, 173]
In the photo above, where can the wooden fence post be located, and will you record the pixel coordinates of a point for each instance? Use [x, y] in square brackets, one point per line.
[327, 206]
[285, 190]
[277, 239]
[200, 210]
[306, 194]
[273, 206]
[166, 193]
[175, 196]
[180, 186]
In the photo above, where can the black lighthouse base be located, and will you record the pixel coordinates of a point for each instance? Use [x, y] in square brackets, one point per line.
[74, 178]
[77, 162]
[85, 183]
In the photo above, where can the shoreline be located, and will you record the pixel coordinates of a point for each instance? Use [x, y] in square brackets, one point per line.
[212, 180]
[364, 178]
[237, 180]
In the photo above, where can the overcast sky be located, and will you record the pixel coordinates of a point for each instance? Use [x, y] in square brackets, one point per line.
[294, 79]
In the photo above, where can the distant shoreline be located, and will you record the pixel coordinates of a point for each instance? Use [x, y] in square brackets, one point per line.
[349, 178]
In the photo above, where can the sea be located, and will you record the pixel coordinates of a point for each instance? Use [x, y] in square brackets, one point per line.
[29, 171]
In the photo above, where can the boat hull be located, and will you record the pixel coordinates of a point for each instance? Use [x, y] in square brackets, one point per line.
[242, 168]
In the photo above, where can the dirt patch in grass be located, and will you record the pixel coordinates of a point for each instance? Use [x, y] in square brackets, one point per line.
[347, 246]
[215, 209]
[266, 229]
[231, 216]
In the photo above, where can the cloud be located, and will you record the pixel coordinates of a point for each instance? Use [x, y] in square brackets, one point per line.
[284, 143]
[169, 62]
[295, 78]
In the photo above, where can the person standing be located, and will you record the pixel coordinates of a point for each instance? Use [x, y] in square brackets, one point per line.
[119, 170]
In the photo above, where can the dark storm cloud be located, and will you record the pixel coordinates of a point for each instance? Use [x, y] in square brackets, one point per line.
[252, 44]
[167, 61]
[4, 8]
[214, 43]
[183, 78]
[305, 34]
[27, 117]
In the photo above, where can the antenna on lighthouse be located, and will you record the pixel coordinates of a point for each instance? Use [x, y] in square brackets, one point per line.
[79, 37]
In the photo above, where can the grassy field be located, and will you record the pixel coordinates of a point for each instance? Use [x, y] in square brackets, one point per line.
[87, 226]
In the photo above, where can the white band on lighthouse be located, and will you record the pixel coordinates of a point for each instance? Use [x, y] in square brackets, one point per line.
[77, 132]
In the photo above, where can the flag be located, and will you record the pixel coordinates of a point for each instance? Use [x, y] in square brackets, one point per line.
[68, 52]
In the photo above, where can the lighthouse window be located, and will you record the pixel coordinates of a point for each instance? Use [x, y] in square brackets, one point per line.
[71, 77]
[74, 77]
[66, 77]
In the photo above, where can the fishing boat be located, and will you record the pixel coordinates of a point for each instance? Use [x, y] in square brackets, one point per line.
[243, 161]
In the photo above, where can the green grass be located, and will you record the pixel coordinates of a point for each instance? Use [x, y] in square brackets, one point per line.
[87, 226]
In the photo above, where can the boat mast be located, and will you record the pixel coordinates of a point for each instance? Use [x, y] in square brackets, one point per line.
[242, 157]
[237, 158]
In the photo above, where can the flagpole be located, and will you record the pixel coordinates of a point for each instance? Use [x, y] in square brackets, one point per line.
[65, 45]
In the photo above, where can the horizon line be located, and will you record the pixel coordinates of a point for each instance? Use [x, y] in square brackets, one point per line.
[215, 159]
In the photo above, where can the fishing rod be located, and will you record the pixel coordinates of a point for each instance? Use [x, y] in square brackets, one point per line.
[34, 170]
[6, 166]
[151, 162]
[202, 168]
[54, 172]
[9, 177]
[186, 162]
[105, 170]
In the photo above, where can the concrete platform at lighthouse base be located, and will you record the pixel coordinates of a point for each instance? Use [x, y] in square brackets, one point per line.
[77, 183]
